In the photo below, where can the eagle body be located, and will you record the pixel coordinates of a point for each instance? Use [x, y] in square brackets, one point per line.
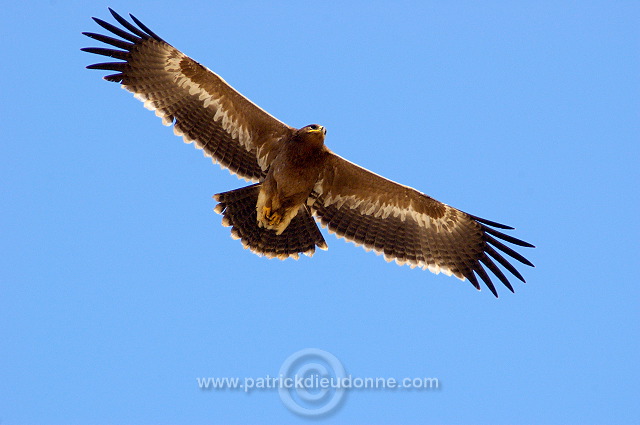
[296, 179]
[292, 176]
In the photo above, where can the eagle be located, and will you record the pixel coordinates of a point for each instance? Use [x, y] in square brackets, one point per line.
[296, 178]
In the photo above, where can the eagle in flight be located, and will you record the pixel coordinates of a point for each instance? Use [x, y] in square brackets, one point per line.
[295, 176]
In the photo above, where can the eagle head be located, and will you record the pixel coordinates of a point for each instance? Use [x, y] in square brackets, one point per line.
[315, 128]
[312, 134]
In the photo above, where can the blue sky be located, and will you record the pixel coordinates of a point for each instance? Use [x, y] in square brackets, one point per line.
[119, 287]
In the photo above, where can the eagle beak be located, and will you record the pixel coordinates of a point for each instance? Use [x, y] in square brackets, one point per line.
[317, 129]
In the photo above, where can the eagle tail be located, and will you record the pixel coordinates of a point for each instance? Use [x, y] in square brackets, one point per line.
[238, 209]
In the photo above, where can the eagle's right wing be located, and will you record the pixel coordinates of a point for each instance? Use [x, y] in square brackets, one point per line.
[410, 227]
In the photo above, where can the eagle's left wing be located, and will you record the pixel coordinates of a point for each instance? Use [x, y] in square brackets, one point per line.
[410, 227]
[204, 109]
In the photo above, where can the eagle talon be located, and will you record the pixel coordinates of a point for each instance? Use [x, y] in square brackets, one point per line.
[275, 219]
[266, 211]
[267, 218]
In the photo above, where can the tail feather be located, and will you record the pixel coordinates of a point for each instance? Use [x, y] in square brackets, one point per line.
[238, 208]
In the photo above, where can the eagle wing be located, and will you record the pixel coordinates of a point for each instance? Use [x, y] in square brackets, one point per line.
[203, 108]
[410, 227]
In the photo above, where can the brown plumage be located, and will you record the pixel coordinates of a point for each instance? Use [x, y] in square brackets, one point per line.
[296, 175]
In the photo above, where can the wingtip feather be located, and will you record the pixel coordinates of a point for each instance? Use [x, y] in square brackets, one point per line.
[491, 223]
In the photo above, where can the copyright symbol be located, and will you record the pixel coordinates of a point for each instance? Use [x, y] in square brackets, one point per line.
[311, 376]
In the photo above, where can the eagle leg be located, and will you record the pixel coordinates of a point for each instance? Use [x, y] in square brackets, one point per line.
[263, 215]
[274, 219]
[267, 218]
